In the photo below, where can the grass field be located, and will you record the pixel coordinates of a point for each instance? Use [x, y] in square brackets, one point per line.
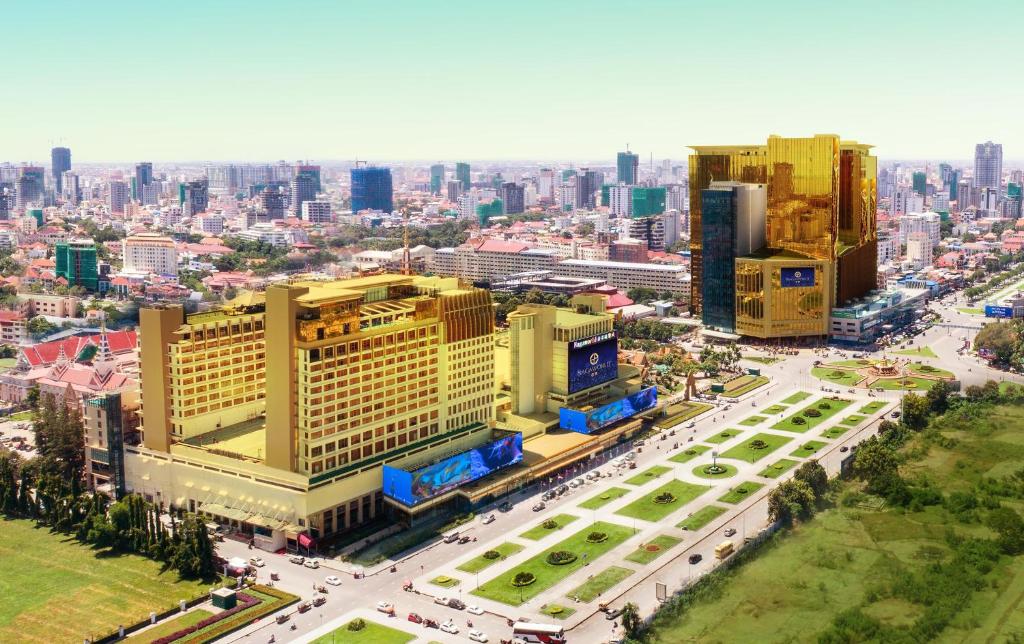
[910, 384]
[843, 377]
[702, 517]
[547, 575]
[647, 475]
[55, 589]
[807, 449]
[872, 407]
[171, 626]
[538, 531]
[372, 633]
[928, 370]
[835, 431]
[728, 470]
[740, 492]
[775, 409]
[852, 421]
[476, 564]
[778, 468]
[653, 549]
[599, 584]
[924, 352]
[799, 396]
[645, 508]
[753, 420]
[682, 412]
[723, 436]
[689, 453]
[746, 452]
[810, 422]
[604, 498]
[970, 311]
[742, 385]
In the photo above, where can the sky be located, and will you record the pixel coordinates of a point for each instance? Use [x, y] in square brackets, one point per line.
[531, 79]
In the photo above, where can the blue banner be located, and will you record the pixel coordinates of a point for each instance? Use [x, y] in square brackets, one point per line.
[596, 419]
[797, 277]
[592, 361]
[993, 311]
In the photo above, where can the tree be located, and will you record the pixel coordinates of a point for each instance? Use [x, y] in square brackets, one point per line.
[998, 338]
[915, 411]
[193, 557]
[9, 462]
[1010, 527]
[874, 461]
[39, 327]
[631, 620]
[815, 476]
[938, 397]
[791, 500]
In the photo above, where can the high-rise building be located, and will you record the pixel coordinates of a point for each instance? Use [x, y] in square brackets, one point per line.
[619, 199]
[118, 194]
[454, 189]
[588, 184]
[60, 162]
[195, 197]
[76, 262]
[272, 202]
[511, 195]
[371, 189]
[905, 199]
[988, 165]
[468, 202]
[436, 178]
[313, 172]
[627, 165]
[964, 195]
[953, 183]
[546, 186]
[920, 183]
[462, 174]
[303, 189]
[648, 202]
[30, 187]
[143, 178]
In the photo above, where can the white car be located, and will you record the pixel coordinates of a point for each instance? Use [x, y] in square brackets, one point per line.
[441, 600]
[450, 627]
[476, 610]
[575, 483]
[257, 561]
[691, 425]
[477, 636]
[332, 580]
[385, 607]
[487, 519]
[311, 563]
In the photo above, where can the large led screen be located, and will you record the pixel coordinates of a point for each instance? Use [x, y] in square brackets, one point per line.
[794, 277]
[433, 480]
[592, 361]
[586, 422]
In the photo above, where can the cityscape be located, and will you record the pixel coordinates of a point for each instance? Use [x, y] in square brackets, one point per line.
[425, 361]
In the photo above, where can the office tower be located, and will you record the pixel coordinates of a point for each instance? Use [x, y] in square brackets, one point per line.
[143, 178]
[627, 165]
[118, 195]
[30, 187]
[920, 183]
[195, 197]
[7, 200]
[945, 173]
[648, 202]
[371, 189]
[462, 174]
[546, 186]
[988, 165]
[619, 199]
[904, 200]
[988, 201]
[964, 195]
[953, 184]
[316, 212]
[567, 195]
[588, 183]
[303, 189]
[76, 262]
[454, 189]
[60, 162]
[436, 178]
[733, 226]
[313, 172]
[511, 195]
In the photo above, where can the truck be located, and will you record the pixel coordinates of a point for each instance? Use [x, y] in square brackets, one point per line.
[724, 549]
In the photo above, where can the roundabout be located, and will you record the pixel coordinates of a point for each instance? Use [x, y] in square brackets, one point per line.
[881, 373]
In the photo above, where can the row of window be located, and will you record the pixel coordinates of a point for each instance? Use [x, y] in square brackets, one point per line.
[378, 446]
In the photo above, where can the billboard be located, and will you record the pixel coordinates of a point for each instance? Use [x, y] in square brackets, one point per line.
[993, 311]
[797, 277]
[427, 482]
[592, 361]
[586, 422]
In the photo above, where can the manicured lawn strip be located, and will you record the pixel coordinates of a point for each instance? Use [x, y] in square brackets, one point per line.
[546, 575]
[871, 408]
[835, 431]
[970, 311]
[653, 549]
[775, 409]
[557, 611]
[745, 452]
[647, 475]
[894, 384]
[729, 471]
[702, 517]
[734, 495]
[167, 627]
[372, 633]
[599, 583]
[761, 359]
[476, 564]
[808, 448]
[852, 421]
[928, 370]
[810, 422]
[645, 508]
[753, 420]
[723, 436]
[842, 377]
[689, 453]
[778, 468]
[682, 412]
[538, 532]
[598, 501]
[799, 396]
[924, 352]
[859, 363]
[444, 581]
[758, 381]
[271, 601]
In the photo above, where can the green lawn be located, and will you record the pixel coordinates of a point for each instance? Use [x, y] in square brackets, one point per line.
[702, 517]
[557, 611]
[743, 385]
[372, 633]
[924, 352]
[728, 471]
[761, 359]
[538, 532]
[604, 498]
[745, 451]
[740, 492]
[753, 420]
[55, 589]
[547, 575]
[852, 421]
[807, 449]
[171, 626]
[476, 564]
[910, 384]
[689, 453]
[970, 311]
[647, 475]
[653, 549]
[799, 396]
[843, 377]
[832, 408]
[444, 581]
[681, 412]
[928, 370]
[872, 407]
[599, 584]
[723, 436]
[19, 417]
[778, 468]
[645, 508]
[859, 363]
[835, 431]
[775, 409]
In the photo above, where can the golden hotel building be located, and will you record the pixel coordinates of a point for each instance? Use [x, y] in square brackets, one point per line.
[277, 412]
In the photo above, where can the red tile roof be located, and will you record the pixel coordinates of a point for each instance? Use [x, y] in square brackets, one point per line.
[46, 353]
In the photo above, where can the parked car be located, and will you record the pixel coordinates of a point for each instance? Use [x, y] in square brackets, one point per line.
[385, 607]
[257, 562]
[332, 580]
[537, 507]
[547, 496]
[297, 559]
[477, 636]
[443, 601]
[476, 610]
[415, 618]
[450, 627]
[311, 563]
[457, 604]
[487, 519]
[464, 539]
[505, 507]
[695, 559]
[691, 425]
[451, 538]
[844, 448]
[612, 613]
[562, 489]
[895, 414]
[730, 532]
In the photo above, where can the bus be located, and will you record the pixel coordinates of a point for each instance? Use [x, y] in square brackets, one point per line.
[539, 633]
[724, 549]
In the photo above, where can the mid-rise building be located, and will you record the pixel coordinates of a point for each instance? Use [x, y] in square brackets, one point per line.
[273, 200]
[371, 189]
[317, 212]
[919, 250]
[929, 223]
[648, 202]
[453, 190]
[627, 275]
[303, 189]
[76, 262]
[195, 197]
[150, 252]
[512, 199]
[118, 195]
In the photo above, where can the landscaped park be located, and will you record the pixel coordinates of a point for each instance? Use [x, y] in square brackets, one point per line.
[888, 374]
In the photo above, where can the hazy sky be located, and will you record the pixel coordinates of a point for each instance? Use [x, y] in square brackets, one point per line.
[542, 79]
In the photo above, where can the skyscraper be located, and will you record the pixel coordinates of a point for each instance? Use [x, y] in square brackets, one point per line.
[195, 197]
[920, 183]
[60, 162]
[143, 177]
[588, 183]
[118, 195]
[371, 189]
[71, 189]
[29, 188]
[627, 164]
[303, 189]
[462, 174]
[436, 178]
[988, 165]
[313, 172]
[511, 195]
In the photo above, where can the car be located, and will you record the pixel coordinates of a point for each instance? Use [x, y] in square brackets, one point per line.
[451, 538]
[537, 507]
[895, 414]
[311, 563]
[297, 559]
[332, 580]
[443, 601]
[844, 448]
[612, 613]
[630, 456]
[450, 627]
[632, 465]
[457, 604]
[464, 539]
[562, 489]
[415, 618]
[695, 559]
[691, 425]
[575, 483]
[547, 496]
[477, 636]
[618, 462]
[730, 532]
[319, 600]
[487, 519]
[727, 407]
[476, 610]
[385, 607]
[257, 561]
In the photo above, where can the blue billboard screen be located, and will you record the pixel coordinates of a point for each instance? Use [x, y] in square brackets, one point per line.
[992, 311]
[433, 480]
[586, 422]
[592, 361]
[797, 277]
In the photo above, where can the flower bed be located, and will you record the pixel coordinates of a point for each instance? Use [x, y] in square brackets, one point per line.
[758, 444]
[226, 626]
[244, 601]
[560, 557]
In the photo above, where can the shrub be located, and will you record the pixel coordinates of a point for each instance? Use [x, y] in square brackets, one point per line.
[550, 524]
[665, 497]
[560, 557]
[690, 452]
[812, 413]
[799, 421]
[824, 405]
[808, 446]
[554, 610]
[492, 554]
[596, 537]
[356, 624]
[244, 601]
[523, 579]
[758, 444]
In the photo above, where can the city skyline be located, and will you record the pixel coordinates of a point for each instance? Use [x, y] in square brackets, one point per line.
[377, 82]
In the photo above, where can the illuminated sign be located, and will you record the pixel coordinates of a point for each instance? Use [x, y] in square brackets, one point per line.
[797, 277]
[992, 311]
[586, 422]
[593, 361]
